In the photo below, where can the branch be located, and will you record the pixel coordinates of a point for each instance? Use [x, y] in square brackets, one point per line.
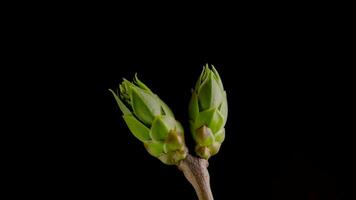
[196, 171]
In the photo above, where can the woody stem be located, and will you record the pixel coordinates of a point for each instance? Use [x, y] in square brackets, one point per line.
[196, 171]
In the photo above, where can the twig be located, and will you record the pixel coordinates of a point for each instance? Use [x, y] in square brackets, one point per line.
[196, 171]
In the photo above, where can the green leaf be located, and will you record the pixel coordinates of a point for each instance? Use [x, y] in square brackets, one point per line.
[145, 106]
[122, 106]
[214, 148]
[220, 136]
[211, 118]
[161, 126]
[140, 84]
[193, 107]
[154, 148]
[224, 108]
[139, 130]
[192, 128]
[206, 72]
[204, 118]
[179, 128]
[200, 79]
[165, 108]
[167, 159]
[210, 93]
[217, 122]
[217, 77]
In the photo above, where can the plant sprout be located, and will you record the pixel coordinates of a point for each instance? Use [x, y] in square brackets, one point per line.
[152, 122]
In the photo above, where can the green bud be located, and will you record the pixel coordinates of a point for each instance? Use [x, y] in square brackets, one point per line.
[151, 121]
[209, 93]
[208, 113]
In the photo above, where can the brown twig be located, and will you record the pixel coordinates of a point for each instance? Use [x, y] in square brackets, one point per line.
[196, 171]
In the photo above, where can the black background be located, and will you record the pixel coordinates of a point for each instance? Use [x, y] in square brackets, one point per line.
[288, 95]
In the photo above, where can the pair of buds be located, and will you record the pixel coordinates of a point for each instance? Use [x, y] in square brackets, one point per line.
[152, 122]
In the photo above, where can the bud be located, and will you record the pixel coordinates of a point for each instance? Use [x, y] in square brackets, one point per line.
[151, 121]
[208, 113]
